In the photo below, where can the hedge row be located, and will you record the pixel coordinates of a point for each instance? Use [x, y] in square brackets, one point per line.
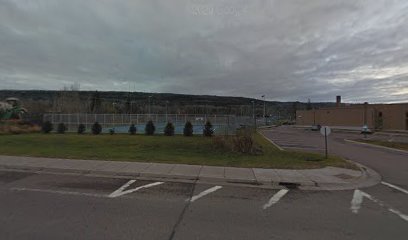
[150, 129]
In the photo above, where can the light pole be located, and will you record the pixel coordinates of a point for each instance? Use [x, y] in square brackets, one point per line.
[314, 116]
[150, 97]
[264, 108]
[114, 107]
[205, 114]
[365, 127]
[167, 102]
[253, 113]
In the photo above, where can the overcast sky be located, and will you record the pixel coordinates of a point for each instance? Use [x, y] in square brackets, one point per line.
[285, 49]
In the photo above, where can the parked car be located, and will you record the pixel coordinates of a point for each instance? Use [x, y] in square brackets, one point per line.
[366, 130]
[316, 127]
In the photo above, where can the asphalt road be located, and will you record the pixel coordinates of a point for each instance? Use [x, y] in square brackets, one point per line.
[66, 206]
[392, 165]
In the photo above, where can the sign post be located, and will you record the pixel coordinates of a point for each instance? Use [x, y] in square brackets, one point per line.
[325, 131]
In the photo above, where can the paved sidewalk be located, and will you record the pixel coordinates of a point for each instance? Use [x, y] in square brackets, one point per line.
[328, 178]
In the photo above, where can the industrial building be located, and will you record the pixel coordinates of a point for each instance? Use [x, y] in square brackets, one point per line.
[375, 116]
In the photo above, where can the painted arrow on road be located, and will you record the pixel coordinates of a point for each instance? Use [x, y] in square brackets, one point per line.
[121, 191]
[358, 198]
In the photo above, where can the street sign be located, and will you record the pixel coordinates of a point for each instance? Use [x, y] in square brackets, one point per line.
[325, 131]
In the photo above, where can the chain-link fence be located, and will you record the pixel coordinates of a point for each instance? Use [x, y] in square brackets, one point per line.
[222, 124]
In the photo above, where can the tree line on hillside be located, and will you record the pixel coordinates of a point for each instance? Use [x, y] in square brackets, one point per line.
[70, 101]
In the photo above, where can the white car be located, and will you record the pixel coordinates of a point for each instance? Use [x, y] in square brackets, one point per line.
[366, 130]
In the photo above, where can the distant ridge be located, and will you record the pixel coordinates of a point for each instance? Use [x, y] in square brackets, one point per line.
[45, 100]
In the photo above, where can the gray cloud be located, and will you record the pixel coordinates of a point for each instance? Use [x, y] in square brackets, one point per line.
[288, 50]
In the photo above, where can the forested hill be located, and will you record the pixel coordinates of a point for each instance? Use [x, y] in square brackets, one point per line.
[138, 102]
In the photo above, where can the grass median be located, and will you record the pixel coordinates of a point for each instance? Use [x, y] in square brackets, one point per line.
[195, 150]
[396, 145]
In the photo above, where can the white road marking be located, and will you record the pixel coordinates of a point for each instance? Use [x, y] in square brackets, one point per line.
[358, 200]
[400, 214]
[123, 187]
[395, 187]
[120, 191]
[203, 193]
[275, 198]
[59, 192]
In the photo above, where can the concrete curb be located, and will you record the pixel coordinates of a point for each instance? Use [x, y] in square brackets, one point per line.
[376, 146]
[368, 178]
[280, 178]
[269, 140]
[365, 181]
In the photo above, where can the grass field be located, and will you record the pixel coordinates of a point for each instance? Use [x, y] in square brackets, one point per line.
[177, 149]
[397, 145]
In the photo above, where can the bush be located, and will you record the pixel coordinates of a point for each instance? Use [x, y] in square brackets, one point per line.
[81, 129]
[18, 128]
[150, 128]
[96, 128]
[169, 129]
[47, 127]
[208, 130]
[243, 142]
[111, 131]
[222, 143]
[132, 129]
[61, 128]
[188, 129]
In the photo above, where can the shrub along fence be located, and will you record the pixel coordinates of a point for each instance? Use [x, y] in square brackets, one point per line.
[222, 124]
